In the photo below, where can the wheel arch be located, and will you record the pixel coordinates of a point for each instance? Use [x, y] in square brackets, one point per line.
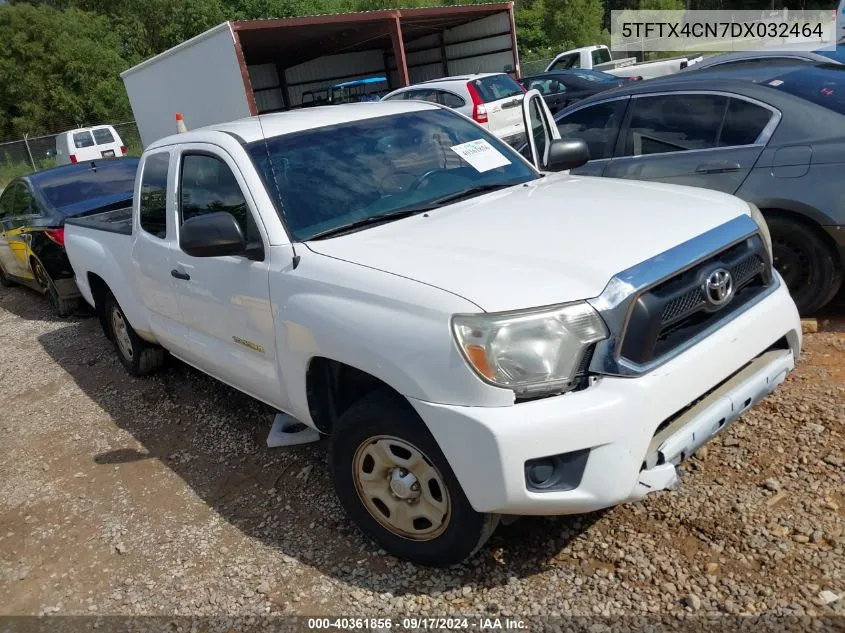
[332, 386]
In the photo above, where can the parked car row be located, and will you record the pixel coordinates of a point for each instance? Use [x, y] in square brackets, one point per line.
[771, 134]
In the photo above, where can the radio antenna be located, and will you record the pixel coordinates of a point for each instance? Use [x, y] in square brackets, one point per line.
[280, 205]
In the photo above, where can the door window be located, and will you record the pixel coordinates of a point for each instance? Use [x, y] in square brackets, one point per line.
[744, 122]
[423, 95]
[597, 126]
[7, 202]
[23, 204]
[209, 186]
[673, 123]
[153, 203]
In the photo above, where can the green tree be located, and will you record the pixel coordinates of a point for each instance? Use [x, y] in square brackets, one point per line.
[574, 23]
[57, 67]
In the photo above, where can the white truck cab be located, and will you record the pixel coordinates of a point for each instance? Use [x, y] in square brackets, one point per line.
[478, 336]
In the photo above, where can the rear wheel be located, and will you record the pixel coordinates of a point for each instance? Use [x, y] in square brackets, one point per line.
[397, 486]
[62, 306]
[135, 354]
[809, 266]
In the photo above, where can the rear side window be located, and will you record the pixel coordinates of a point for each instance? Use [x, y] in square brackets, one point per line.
[674, 123]
[569, 61]
[451, 100]
[744, 122]
[103, 136]
[209, 186]
[597, 126]
[397, 97]
[423, 94]
[497, 87]
[153, 203]
[82, 140]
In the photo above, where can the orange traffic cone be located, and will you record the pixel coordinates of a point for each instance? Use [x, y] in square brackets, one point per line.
[180, 124]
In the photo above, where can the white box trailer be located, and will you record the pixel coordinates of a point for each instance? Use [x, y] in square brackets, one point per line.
[245, 68]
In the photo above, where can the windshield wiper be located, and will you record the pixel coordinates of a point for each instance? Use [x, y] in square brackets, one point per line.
[364, 223]
[462, 195]
[409, 211]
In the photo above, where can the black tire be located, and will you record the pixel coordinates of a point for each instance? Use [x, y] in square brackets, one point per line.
[4, 280]
[809, 266]
[385, 413]
[140, 358]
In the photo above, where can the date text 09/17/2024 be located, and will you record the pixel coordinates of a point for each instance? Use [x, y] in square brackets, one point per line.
[417, 624]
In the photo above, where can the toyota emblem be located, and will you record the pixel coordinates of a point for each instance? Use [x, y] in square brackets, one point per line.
[719, 287]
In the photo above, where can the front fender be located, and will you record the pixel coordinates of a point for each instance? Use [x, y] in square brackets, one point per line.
[393, 328]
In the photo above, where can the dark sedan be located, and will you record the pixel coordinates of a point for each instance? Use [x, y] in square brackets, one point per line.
[33, 210]
[564, 87]
[774, 136]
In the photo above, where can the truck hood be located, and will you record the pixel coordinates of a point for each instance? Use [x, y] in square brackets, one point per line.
[560, 238]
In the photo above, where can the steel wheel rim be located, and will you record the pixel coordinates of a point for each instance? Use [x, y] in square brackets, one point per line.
[121, 333]
[401, 488]
[789, 258]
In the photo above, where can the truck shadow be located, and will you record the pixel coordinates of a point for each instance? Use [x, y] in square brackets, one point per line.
[214, 438]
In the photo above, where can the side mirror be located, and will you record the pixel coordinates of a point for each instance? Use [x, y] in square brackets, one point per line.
[212, 235]
[567, 154]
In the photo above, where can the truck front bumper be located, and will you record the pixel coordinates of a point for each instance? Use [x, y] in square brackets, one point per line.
[620, 438]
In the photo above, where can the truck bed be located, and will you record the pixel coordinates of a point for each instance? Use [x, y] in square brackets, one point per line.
[115, 221]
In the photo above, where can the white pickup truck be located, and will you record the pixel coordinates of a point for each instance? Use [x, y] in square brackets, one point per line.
[476, 335]
[598, 57]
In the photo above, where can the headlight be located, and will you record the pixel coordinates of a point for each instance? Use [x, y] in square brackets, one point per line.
[757, 216]
[530, 351]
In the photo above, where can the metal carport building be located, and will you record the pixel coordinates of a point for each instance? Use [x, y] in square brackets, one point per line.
[282, 59]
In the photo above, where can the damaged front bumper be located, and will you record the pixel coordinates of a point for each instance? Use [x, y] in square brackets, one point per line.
[681, 436]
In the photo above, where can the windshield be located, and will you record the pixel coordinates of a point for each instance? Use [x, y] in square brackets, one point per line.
[65, 189]
[342, 174]
[823, 85]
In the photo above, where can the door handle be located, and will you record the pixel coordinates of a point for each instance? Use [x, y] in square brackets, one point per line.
[511, 104]
[179, 275]
[717, 167]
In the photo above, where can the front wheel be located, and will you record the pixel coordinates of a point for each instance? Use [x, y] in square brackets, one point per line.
[397, 486]
[135, 354]
[809, 267]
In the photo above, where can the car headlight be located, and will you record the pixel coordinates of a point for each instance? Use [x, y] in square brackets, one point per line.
[757, 216]
[530, 351]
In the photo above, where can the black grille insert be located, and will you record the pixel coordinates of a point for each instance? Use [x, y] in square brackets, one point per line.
[671, 313]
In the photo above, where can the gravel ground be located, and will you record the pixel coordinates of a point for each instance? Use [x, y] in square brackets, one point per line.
[130, 496]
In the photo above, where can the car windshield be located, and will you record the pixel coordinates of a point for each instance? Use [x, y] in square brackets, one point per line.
[595, 76]
[68, 188]
[823, 85]
[344, 174]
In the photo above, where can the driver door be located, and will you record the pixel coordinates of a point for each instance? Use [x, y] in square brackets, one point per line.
[540, 128]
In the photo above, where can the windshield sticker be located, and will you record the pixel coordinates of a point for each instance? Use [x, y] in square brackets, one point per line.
[775, 82]
[481, 155]
[826, 92]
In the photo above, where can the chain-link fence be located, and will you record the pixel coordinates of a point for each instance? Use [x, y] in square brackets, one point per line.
[33, 153]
